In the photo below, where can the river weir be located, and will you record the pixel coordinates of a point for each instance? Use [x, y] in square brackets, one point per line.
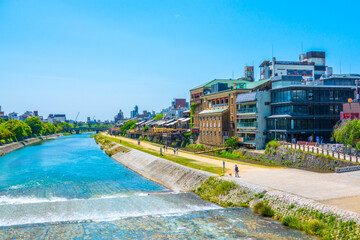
[68, 188]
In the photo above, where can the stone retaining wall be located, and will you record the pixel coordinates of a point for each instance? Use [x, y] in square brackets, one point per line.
[15, 146]
[297, 158]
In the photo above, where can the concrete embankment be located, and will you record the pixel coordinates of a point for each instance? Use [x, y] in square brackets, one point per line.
[167, 173]
[17, 145]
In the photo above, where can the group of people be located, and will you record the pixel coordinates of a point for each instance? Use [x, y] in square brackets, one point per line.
[176, 150]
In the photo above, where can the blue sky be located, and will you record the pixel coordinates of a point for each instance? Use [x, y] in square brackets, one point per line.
[96, 57]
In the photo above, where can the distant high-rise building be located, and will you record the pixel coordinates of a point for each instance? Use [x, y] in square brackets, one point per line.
[119, 116]
[134, 112]
[36, 113]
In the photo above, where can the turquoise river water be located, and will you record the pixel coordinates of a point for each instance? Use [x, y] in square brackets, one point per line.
[69, 189]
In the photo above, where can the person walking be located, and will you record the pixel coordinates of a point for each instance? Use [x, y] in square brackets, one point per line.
[164, 148]
[236, 171]
[174, 151]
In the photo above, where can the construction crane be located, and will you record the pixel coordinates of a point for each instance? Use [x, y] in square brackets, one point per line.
[77, 116]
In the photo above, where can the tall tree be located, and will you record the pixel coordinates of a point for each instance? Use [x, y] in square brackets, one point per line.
[35, 124]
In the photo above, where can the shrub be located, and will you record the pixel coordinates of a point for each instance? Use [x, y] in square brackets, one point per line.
[315, 227]
[274, 144]
[291, 221]
[263, 209]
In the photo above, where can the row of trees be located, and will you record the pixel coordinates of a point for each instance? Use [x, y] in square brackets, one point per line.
[16, 130]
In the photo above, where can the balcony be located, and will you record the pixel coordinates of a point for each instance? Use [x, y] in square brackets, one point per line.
[247, 124]
[247, 110]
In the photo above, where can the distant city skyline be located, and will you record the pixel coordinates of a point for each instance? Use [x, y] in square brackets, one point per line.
[98, 57]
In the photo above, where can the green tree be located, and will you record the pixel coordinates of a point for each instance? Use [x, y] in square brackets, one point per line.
[146, 128]
[35, 124]
[232, 142]
[348, 132]
[158, 116]
[20, 129]
[192, 113]
[128, 125]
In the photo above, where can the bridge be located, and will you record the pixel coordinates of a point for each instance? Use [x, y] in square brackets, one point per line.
[86, 129]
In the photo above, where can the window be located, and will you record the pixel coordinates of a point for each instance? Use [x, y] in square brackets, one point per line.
[219, 125]
[210, 124]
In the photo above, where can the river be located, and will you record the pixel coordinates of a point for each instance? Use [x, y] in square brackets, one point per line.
[68, 188]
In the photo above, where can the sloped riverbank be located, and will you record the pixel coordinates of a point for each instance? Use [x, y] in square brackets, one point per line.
[8, 148]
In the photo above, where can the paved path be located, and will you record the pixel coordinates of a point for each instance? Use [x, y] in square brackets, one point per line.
[337, 189]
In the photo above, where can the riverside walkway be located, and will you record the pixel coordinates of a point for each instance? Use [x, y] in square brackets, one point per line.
[337, 189]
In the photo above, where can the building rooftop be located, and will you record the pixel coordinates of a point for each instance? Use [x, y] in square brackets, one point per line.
[246, 97]
[230, 82]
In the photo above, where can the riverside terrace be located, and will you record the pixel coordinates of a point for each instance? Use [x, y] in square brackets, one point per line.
[167, 136]
[85, 129]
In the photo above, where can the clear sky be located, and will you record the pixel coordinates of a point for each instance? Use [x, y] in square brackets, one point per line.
[96, 57]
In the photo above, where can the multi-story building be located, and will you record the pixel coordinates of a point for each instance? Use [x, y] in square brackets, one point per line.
[302, 110]
[214, 126]
[13, 115]
[178, 103]
[218, 97]
[311, 65]
[52, 118]
[252, 110]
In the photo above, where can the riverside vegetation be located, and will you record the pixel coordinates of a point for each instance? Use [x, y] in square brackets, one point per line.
[310, 221]
[16, 130]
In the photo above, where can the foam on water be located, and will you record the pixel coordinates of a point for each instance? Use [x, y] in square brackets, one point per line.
[101, 209]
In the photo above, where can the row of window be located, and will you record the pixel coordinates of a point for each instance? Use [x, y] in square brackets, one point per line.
[308, 95]
[211, 125]
[209, 133]
[283, 124]
[208, 118]
[331, 109]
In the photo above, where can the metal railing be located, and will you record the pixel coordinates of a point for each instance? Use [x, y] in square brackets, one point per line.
[247, 124]
[247, 110]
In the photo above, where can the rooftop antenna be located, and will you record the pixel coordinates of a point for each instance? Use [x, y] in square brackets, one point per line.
[340, 67]
[272, 50]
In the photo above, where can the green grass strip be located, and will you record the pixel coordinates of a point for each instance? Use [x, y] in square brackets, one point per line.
[177, 159]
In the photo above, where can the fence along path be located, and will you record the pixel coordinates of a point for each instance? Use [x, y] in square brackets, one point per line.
[340, 152]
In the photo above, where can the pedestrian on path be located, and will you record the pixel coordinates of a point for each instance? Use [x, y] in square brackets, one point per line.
[236, 171]
[164, 148]
[174, 151]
